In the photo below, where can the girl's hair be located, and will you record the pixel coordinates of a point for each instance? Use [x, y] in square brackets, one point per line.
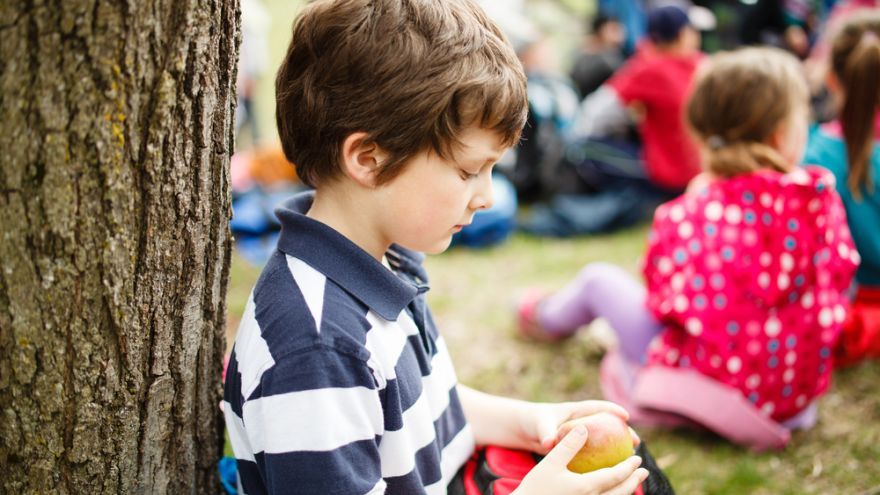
[739, 100]
[855, 60]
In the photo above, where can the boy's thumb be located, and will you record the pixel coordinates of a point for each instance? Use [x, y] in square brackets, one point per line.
[568, 446]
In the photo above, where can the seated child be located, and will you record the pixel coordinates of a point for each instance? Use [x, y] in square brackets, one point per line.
[609, 180]
[655, 85]
[746, 273]
[395, 111]
[850, 149]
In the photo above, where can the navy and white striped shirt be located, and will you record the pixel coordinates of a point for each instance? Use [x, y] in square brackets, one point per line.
[339, 382]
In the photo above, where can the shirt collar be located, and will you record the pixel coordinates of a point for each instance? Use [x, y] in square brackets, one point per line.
[352, 268]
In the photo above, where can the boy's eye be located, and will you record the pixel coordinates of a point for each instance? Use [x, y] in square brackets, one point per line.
[467, 175]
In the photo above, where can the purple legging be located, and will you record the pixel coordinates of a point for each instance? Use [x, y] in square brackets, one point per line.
[602, 290]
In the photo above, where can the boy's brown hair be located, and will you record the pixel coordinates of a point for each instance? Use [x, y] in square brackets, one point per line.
[740, 98]
[855, 60]
[412, 74]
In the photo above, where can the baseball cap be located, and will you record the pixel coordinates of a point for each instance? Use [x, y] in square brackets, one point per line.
[664, 23]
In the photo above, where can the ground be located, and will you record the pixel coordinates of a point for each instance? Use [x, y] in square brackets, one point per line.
[472, 295]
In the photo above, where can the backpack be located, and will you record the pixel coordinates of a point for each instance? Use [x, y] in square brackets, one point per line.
[498, 471]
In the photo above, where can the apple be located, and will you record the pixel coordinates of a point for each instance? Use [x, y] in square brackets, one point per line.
[608, 442]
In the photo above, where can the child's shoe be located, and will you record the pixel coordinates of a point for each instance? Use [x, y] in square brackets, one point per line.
[527, 317]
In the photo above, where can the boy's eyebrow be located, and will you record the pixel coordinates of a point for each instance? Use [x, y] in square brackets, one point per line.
[484, 161]
[474, 155]
[481, 156]
[489, 155]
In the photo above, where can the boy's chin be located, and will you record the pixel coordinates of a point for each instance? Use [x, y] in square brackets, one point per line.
[434, 248]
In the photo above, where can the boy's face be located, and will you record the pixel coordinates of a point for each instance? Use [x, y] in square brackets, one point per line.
[433, 198]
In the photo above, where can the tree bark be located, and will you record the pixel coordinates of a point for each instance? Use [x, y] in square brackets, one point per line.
[116, 127]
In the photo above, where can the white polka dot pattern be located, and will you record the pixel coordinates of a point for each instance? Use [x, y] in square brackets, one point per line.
[750, 277]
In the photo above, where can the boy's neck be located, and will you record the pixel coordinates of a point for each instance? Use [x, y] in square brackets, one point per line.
[341, 210]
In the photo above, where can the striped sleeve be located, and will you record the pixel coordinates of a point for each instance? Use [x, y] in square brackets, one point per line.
[300, 436]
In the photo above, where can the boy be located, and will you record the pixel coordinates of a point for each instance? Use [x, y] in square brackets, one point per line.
[395, 112]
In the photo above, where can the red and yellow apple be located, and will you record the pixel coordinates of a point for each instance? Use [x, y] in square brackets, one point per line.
[608, 442]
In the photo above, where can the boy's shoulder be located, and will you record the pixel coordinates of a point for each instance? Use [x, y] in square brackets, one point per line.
[319, 288]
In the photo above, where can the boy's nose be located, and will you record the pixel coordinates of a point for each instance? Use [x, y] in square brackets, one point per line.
[483, 198]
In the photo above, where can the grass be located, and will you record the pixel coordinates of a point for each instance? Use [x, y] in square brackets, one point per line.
[472, 295]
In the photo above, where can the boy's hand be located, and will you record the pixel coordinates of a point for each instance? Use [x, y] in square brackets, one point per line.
[546, 419]
[552, 476]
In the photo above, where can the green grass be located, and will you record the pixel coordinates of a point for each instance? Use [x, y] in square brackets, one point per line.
[472, 295]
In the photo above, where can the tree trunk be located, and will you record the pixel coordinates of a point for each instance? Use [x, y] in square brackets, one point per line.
[116, 122]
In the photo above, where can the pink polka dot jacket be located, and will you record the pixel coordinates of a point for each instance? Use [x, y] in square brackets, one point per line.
[750, 276]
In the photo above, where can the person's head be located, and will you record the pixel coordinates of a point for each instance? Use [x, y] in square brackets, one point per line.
[607, 31]
[855, 66]
[407, 75]
[537, 57]
[670, 28]
[749, 110]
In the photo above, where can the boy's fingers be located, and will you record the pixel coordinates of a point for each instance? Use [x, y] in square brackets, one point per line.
[562, 454]
[547, 443]
[630, 484]
[588, 407]
[609, 478]
[618, 410]
[547, 431]
[635, 436]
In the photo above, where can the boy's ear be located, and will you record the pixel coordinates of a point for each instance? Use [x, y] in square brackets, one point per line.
[361, 159]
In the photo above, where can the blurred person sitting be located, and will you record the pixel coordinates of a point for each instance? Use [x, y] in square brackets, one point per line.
[655, 86]
[788, 24]
[533, 165]
[850, 148]
[601, 55]
[817, 63]
[252, 63]
[626, 179]
[746, 274]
